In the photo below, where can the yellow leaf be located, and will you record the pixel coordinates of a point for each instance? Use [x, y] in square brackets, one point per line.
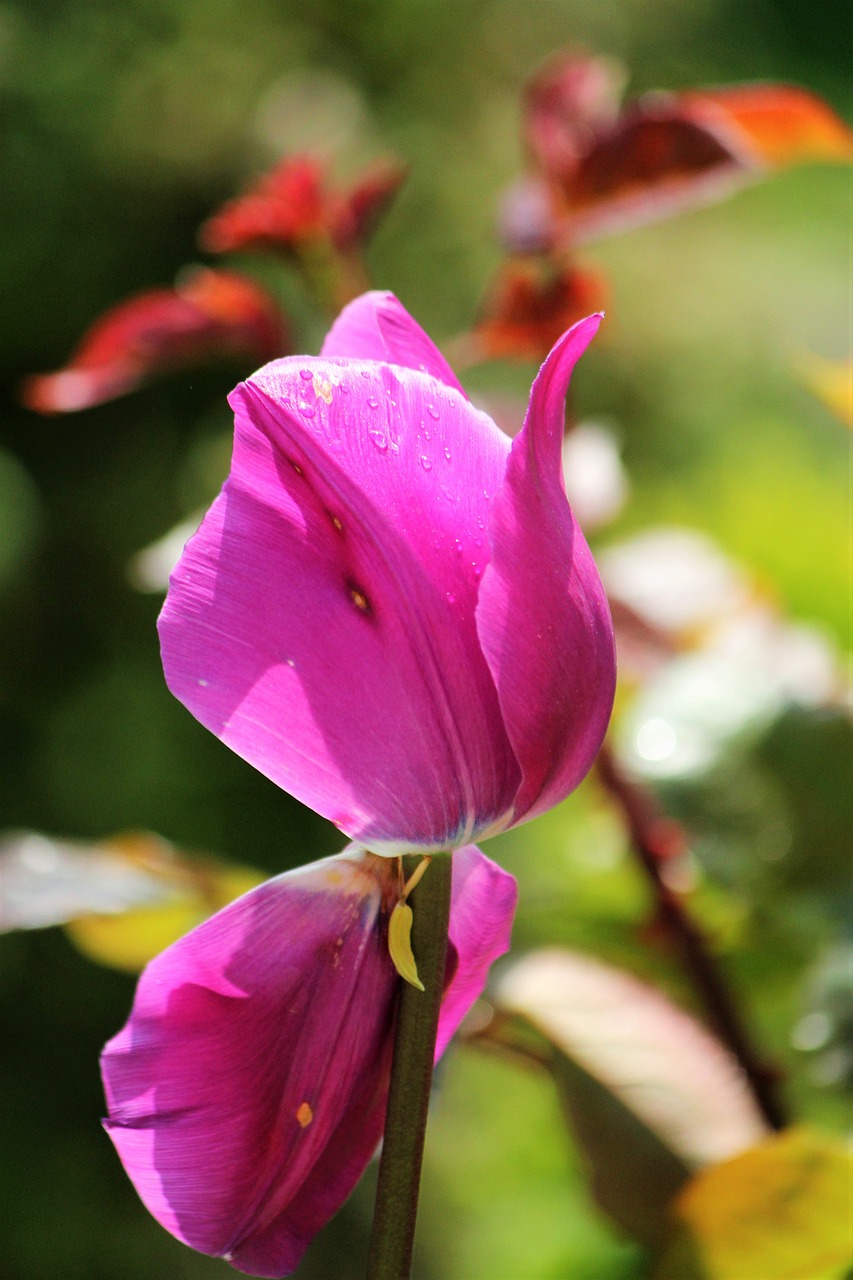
[780, 1211]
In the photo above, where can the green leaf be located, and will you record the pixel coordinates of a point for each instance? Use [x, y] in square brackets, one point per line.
[780, 1211]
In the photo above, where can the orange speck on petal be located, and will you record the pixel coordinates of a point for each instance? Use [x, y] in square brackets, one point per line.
[304, 1115]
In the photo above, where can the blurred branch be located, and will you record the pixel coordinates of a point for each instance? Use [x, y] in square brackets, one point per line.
[656, 838]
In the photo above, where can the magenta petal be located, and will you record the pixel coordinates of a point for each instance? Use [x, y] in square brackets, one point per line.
[321, 621]
[247, 1092]
[376, 327]
[482, 907]
[543, 619]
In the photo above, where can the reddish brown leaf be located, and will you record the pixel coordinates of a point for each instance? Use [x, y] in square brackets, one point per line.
[669, 152]
[654, 162]
[530, 304]
[210, 313]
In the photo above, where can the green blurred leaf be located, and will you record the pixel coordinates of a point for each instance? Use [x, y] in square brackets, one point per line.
[648, 1092]
[780, 1211]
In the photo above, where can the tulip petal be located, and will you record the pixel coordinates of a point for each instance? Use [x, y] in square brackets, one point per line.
[542, 615]
[247, 1092]
[482, 907]
[376, 326]
[321, 621]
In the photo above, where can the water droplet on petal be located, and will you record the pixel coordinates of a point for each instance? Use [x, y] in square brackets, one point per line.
[373, 402]
[365, 373]
[447, 452]
[344, 389]
[307, 410]
[379, 439]
[433, 412]
[307, 375]
[426, 462]
[451, 598]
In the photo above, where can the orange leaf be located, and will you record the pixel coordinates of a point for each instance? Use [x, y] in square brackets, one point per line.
[781, 123]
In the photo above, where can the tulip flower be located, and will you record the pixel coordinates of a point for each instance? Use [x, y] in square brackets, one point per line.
[247, 1092]
[391, 612]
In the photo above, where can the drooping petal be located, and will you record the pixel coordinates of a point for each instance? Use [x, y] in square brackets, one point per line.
[482, 907]
[542, 615]
[376, 327]
[209, 314]
[247, 1092]
[321, 622]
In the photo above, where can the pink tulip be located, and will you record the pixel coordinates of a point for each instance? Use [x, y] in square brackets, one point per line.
[390, 609]
[391, 612]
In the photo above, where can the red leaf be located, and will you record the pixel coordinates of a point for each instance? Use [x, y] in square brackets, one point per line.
[291, 207]
[285, 208]
[211, 313]
[530, 304]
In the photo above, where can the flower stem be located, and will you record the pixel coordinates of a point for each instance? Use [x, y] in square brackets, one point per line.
[411, 1076]
[654, 838]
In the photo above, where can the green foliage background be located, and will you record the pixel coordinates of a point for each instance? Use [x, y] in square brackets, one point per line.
[124, 125]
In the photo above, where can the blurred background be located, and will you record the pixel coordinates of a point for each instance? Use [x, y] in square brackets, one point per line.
[125, 124]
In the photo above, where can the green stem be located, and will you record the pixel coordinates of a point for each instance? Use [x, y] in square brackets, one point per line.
[411, 1076]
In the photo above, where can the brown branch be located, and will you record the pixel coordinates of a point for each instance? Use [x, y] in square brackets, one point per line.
[655, 838]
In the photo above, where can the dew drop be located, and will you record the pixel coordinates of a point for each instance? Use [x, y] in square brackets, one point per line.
[306, 375]
[373, 402]
[365, 373]
[307, 410]
[426, 434]
[378, 439]
[433, 412]
[447, 452]
[426, 462]
[344, 389]
[451, 598]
